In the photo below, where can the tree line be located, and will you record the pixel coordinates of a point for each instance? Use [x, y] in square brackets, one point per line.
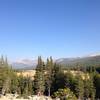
[51, 80]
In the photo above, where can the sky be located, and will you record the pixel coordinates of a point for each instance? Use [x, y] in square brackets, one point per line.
[58, 28]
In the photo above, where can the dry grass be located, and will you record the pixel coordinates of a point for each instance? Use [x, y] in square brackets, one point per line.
[31, 74]
[27, 73]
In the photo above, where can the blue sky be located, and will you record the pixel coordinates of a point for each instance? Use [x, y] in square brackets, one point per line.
[61, 28]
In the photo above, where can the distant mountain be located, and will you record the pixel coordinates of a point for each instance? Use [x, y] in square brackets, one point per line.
[24, 64]
[90, 60]
[94, 54]
[27, 64]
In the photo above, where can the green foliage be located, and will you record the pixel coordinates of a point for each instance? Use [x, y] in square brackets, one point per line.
[97, 85]
[58, 78]
[89, 89]
[50, 79]
[79, 87]
[5, 74]
[64, 94]
[11, 83]
[25, 86]
[39, 79]
[49, 75]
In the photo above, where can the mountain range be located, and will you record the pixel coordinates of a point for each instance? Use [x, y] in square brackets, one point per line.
[31, 64]
[24, 64]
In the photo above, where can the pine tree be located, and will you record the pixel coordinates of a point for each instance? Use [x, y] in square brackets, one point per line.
[39, 79]
[79, 88]
[30, 86]
[14, 83]
[6, 62]
[21, 82]
[58, 78]
[92, 88]
[25, 91]
[86, 89]
[49, 69]
[97, 85]
[2, 60]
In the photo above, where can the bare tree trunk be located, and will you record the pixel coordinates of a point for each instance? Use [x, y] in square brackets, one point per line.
[49, 92]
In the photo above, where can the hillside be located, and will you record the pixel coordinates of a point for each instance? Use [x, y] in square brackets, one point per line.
[26, 64]
[91, 60]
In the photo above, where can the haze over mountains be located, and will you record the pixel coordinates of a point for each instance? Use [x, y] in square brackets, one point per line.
[31, 64]
[24, 64]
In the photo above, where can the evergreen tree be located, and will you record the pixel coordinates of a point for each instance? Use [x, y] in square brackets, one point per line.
[58, 78]
[30, 87]
[97, 85]
[86, 89]
[21, 85]
[49, 69]
[14, 83]
[92, 88]
[39, 79]
[79, 88]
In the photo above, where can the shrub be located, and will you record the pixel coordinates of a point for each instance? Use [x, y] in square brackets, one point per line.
[64, 94]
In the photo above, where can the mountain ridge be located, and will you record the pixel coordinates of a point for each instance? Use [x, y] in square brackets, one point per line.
[31, 64]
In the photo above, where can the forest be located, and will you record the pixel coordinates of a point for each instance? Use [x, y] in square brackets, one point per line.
[52, 79]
